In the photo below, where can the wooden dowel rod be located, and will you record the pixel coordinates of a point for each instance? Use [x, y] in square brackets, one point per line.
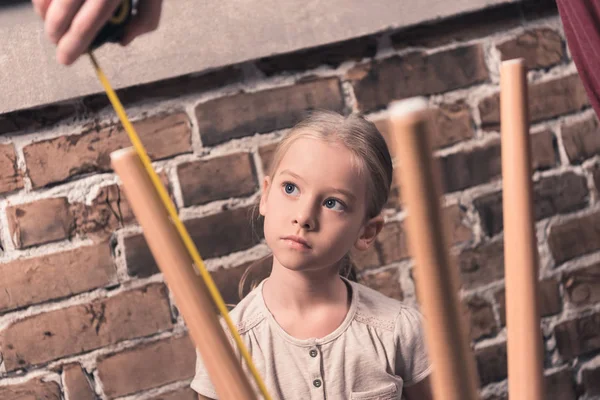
[454, 375]
[524, 337]
[187, 287]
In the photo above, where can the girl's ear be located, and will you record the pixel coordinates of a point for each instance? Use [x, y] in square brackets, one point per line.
[263, 197]
[369, 233]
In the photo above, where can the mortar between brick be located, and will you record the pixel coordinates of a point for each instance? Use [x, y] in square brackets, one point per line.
[153, 393]
[488, 342]
[496, 388]
[590, 364]
[44, 375]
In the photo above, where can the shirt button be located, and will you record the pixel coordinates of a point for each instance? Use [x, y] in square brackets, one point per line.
[313, 353]
[317, 383]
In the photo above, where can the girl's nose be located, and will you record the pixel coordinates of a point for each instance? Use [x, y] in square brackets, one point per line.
[305, 217]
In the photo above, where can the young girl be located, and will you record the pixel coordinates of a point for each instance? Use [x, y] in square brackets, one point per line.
[313, 333]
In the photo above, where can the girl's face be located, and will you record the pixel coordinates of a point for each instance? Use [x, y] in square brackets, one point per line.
[314, 207]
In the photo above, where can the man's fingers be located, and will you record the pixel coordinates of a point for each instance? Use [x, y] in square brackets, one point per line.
[41, 6]
[73, 24]
[146, 20]
[150, 14]
[58, 17]
[91, 17]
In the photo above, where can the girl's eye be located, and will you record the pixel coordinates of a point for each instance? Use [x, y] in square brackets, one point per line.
[334, 204]
[289, 188]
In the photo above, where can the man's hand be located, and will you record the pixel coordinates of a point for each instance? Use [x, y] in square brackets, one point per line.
[72, 25]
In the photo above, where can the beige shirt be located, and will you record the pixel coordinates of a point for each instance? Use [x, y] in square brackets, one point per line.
[377, 351]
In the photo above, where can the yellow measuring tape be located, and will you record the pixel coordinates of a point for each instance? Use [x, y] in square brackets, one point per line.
[189, 244]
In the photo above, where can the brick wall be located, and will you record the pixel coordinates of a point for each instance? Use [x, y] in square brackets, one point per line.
[84, 313]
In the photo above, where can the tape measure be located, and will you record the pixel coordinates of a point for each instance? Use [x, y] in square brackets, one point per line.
[113, 30]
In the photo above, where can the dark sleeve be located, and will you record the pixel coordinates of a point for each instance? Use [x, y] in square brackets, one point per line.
[581, 22]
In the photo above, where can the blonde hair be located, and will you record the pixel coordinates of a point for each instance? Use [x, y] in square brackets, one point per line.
[371, 157]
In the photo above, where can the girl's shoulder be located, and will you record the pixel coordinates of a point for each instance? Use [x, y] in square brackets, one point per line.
[249, 312]
[378, 310]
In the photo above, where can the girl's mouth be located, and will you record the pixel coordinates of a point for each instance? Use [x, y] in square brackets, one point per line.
[296, 242]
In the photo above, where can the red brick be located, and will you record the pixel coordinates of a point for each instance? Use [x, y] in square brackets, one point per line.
[483, 163]
[77, 385]
[540, 48]
[49, 220]
[473, 167]
[450, 123]
[215, 235]
[547, 99]
[550, 300]
[590, 378]
[379, 82]
[38, 279]
[11, 178]
[392, 243]
[458, 29]
[543, 152]
[595, 169]
[36, 118]
[582, 286]
[40, 222]
[491, 363]
[386, 282]
[168, 88]
[228, 281]
[245, 114]
[108, 212]
[581, 139]
[139, 259]
[453, 123]
[217, 178]
[578, 336]
[181, 394]
[266, 155]
[58, 159]
[78, 329]
[557, 194]
[232, 230]
[331, 55]
[147, 366]
[503, 396]
[395, 197]
[53, 219]
[575, 237]
[383, 126]
[537, 10]
[480, 318]
[34, 389]
[482, 265]
[459, 231]
[366, 259]
[560, 385]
